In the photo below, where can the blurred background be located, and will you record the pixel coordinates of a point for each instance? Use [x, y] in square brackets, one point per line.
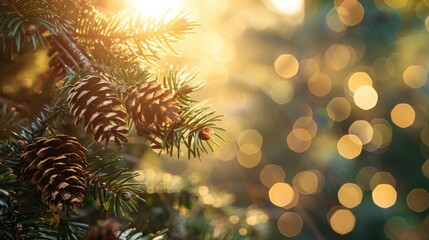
[326, 107]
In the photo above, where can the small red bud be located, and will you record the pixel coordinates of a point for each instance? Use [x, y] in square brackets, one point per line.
[30, 29]
[126, 196]
[185, 89]
[21, 143]
[205, 134]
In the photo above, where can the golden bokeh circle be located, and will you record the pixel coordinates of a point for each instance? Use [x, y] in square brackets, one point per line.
[290, 224]
[272, 174]
[350, 195]
[403, 115]
[342, 221]
[415, 76]
[350, 12]
[349, 146]
[281, 194]
[359, 79]
[365, 97]
[384, 195]
[338, 109]
[418, 200]
[299, 140]
[319, 84]
[286, 65]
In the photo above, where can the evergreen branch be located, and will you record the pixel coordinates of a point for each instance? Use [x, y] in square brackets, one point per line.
[69, 229]
[10, 120]
[131, 233]
[178, 81]
[66, 52]
[194, 120]
[26, 20]
[112, 186]
[21, 216]
[126, 73]
[131, 34]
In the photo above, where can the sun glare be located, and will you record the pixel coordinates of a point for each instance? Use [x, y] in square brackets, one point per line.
[289, 7]
[166, 9]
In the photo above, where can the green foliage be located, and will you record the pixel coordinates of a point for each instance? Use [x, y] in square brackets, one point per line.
[10, 120]
[121, 48]
[23, 21]
[128, 35]
[197, 118]
[110, 184]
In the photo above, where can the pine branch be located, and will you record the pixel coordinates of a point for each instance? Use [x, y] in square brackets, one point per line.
[113, 187]
[23, 21]
[197, 131]
[21, 216]
[125, 74]
[10, 120]
[179, 82]
[130, 34]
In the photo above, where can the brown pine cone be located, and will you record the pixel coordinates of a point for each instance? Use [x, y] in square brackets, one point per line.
[93, 100]
[152, 108]
[55, 166]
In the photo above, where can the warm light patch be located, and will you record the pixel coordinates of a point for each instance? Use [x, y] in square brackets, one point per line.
[350, 12]
[307, 182]
[349, 146]
[365, 97]
[289, 7]
[382, 177]
[403, 115]
[320, 84]
[249, 160]
[272, 174]
[309, 67]
[384, 195]
[290, 224]
[306, 123]
[342, 221]
[282, 92]
[299, 140]
[333, 21]
[350, 195]
[337, 56]
[250, 141]
[418, 200]
[396, 3]
[286, 65]
[359, 79]
[338, 109]
[363, 130]
[415, 76]
[281, 194]
[166, 9]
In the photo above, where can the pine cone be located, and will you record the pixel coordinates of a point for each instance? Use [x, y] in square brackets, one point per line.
[55, 166]
[152, 108]
[93, 100]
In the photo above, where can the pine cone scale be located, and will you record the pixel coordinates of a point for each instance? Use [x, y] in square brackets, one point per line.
[93, 100]
[55, 167]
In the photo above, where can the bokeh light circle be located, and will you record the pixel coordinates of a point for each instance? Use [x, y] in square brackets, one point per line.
[342, 221]
[290, 224]
[350, 195]
[365, 97]
[286, 65]
[349, 146]
[384, 195]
